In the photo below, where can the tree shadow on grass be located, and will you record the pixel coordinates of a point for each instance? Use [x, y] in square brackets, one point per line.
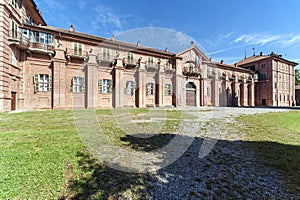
[233, 169]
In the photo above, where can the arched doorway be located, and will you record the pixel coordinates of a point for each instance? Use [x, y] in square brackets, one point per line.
[190, 94]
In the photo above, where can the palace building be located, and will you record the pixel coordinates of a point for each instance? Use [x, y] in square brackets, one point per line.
[44, 67]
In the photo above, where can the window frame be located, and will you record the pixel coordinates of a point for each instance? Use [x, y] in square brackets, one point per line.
[42, 82]
[168, 89]
[78, 48]
[150, 88]
[78, 84]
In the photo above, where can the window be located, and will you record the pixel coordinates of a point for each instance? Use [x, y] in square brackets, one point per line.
[150, 88]
[150, 60]
[105, 86]
[263, 86]
[42, 82]
[263, 77]
[14, 3]
[78, 85]
[168, 65]
[168, 90]
[130, 57]
[13, 58]
[130, 87]
[263, 66]
[105, 54]
[78, 49]
[275, 85]
[14, 29]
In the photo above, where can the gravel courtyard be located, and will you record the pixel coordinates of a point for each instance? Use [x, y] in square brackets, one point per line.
[216, 166]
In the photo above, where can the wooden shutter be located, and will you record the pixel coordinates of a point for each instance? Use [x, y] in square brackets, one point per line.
[71, 86]
[100, 83]
[171, 89]
[36, 82]
[110, 86]
[147, 93]
[83, 85]
[133, 87]
[50, 83]
[166, 89]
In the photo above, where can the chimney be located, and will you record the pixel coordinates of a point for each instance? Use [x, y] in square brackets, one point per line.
[261, 53]
[138, 43]
[166, 50]
[71, 28]
[113, 38]
[222, 61]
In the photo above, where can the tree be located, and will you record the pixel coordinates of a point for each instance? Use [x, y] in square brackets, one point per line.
[297, 77]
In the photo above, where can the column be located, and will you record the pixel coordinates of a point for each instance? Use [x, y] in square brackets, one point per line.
[59, 80]
[201, 92]
[141, 85]
[118, 90]
[251, 94]
[160, 83]
[244, 96]
[91, 81]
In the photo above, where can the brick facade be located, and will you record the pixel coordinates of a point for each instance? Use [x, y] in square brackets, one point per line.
[44, 67]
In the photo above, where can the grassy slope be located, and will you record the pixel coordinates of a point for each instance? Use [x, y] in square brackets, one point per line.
[277, 142]
[40, 150]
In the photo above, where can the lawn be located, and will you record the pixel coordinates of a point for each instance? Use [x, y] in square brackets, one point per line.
[277, 142]
[42, 156]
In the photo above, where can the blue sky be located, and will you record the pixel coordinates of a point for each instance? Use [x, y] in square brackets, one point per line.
[224, 29]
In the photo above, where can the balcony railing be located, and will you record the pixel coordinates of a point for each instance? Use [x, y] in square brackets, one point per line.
[191, 71]
[151, 66]
[263, 78]
[20, 40]
[76, 53]
[168, 68]
[130, 62]
[39, 46]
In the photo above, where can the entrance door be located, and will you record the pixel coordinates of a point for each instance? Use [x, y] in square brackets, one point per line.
[190, 94]
[13, 100]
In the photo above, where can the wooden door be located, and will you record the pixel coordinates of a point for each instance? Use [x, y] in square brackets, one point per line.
[13, 100]
[191, 97]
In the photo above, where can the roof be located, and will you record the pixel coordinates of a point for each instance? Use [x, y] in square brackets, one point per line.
[193, 47]
[33, 5]
[62, 32]
[256, 58]
[232, 67]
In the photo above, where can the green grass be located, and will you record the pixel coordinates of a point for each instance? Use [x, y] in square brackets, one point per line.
[275, 140]
[42, 156]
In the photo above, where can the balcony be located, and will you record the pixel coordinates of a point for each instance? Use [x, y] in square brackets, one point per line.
[150, 66]
[263, 78]
[105, 59]
[191, 71]
[41, 48]
[130, 63]
[168, 68]
[76, 54]
[20, 41]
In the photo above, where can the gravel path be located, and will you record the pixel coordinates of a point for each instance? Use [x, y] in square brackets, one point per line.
[216, 166]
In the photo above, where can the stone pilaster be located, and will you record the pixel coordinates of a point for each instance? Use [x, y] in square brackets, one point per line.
[119, 99]
[59, 90]
[91, 81]
[141, 86]
[160, 85]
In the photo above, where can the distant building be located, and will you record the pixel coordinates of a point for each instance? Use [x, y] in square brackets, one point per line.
[297, 90]
[275, 85]
[44, 67]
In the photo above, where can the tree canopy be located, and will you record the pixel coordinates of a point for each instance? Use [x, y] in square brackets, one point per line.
[297, 77]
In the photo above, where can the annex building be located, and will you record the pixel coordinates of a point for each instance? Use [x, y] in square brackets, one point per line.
[43, 67]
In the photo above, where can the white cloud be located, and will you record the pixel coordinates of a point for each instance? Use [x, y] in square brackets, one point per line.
[53, 4]
[106, 20]
[264, 39]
